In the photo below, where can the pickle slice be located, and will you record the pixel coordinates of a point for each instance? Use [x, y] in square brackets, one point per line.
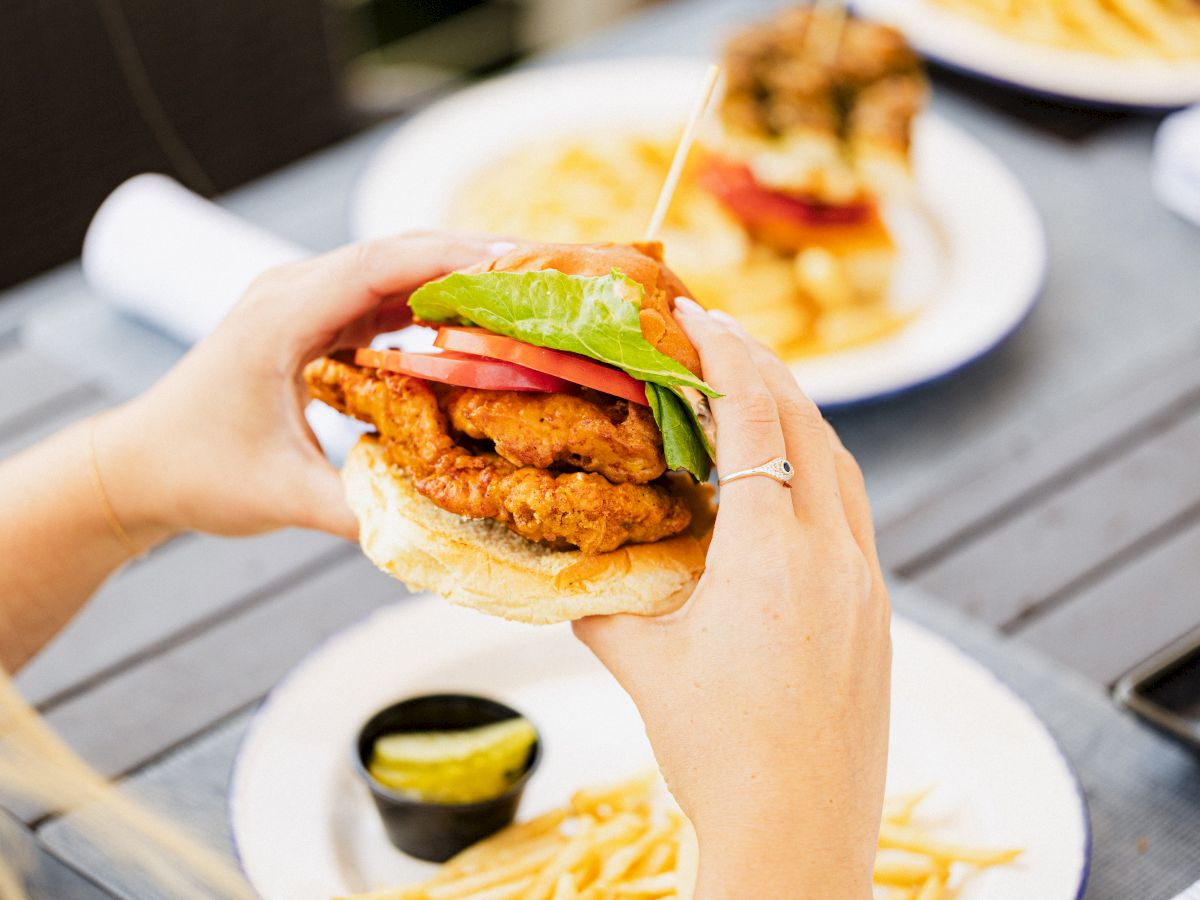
[454, 766]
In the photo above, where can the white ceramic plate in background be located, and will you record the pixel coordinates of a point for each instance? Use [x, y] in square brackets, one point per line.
[973, 235]
[1094, 79]
[304, 826]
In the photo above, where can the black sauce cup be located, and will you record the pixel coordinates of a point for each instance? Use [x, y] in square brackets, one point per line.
[437, 831]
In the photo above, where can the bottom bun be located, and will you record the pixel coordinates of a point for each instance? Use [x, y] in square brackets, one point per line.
[481, 564]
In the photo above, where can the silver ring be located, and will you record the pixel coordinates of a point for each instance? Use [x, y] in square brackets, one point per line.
[778, 468]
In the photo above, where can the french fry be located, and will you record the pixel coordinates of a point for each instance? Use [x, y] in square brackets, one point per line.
[510, 891]
[653, 886]
[565, 888]
[933, 889]
[515, 837]
[1163, 27]
[491, 876]
[625, 858]
[569, 854]
[627, 795]
[489, 858]
[403, 893]
[898, 808]
[576, 852]
[903, 868]
[901, 838]
[1103, 31]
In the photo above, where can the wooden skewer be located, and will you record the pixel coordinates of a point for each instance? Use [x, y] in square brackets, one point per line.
[824, 38]
[681, 153]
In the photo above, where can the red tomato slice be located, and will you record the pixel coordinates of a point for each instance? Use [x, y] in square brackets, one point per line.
[734, 185]
[571, 366]
[462, 370]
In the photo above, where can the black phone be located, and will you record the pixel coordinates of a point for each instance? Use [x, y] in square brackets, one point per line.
[1165, 691]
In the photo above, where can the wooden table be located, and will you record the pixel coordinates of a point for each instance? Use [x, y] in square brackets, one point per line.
[1051, 491]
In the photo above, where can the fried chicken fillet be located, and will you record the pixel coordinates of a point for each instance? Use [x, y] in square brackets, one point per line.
[501, 455]
[592, 432]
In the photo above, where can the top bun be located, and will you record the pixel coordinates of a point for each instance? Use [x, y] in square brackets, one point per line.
[641, 262]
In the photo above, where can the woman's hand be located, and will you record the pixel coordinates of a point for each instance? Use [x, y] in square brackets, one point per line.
[766, 697]
[221, 444]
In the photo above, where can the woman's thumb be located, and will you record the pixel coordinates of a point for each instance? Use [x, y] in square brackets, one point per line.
[323, 502]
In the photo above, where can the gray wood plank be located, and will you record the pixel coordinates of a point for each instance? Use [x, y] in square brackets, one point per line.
[168, 698]
[179, 587]
[188, 787]
[1019, 473]
[17, 303]
[1122, 620]
[145, 353]
[51, 419]
[31, 383]
[1039, 554]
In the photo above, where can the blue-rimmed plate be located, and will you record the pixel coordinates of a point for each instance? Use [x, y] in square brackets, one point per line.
[1088, 78]
[304, 825]
[972, 253]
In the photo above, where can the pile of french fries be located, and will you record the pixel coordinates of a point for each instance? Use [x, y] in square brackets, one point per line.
[611, 842]
[620, 842]
[911, 864]
[1165, 29]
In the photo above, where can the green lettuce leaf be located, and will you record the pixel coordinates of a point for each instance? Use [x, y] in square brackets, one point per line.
[684, 444]
[595, 316]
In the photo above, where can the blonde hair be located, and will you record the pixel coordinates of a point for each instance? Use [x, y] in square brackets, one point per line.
[37, 767]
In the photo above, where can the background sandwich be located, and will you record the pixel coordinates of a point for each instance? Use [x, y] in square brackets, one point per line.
[814, 130]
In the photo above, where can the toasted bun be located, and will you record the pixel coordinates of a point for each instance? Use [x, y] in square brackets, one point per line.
[481, 564]
[641, 262]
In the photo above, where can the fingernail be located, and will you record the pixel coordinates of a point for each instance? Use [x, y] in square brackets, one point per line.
[501, 247]
[688, 306]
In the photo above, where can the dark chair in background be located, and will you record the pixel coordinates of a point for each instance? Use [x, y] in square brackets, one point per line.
[216, 92]
[213, 92]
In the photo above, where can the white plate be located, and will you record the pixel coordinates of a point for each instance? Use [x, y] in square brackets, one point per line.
[305, 827]
[971, 46]
[975, 236]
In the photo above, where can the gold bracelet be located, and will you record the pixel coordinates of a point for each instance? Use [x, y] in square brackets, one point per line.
[114, 524]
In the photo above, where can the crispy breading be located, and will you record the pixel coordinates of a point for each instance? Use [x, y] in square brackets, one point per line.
[591, 432]
[580, 509]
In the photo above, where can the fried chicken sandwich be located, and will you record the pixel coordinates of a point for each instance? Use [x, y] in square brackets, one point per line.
[548, 461]
[815, 129]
